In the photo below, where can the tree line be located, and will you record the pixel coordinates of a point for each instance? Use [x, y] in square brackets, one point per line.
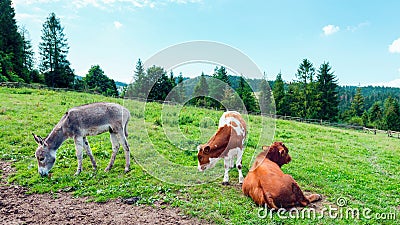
[314, 94]
[17, 58]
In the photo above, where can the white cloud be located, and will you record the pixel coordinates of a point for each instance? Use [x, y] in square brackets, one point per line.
[395, 46]
[330, 29]
[359, 26]
[117, 24]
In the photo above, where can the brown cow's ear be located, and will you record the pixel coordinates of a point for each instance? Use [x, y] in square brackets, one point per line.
[206, 149]
[265, 148]
[273, 153]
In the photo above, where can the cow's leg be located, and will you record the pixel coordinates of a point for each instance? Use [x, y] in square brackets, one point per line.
[300, 198]
[115, 147]
[227, 161]
[79, 153]
[125, 145]
[314, 197]
[89, 152]
[239, 166]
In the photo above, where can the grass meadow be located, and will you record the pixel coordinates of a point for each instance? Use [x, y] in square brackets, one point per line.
[362, 169]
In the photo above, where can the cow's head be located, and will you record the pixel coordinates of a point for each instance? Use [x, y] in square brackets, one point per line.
[44, 156]
[278, 153]
[204, 157]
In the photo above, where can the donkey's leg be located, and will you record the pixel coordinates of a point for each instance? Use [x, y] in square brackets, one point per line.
[115, 147]
[89, 152]
[239, 165]
[79, 153]
[125, 145]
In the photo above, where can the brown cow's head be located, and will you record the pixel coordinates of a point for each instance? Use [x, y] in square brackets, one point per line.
[278, 153]
[204, 158]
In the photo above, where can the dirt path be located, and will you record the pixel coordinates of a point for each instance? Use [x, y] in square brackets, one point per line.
[16, 207]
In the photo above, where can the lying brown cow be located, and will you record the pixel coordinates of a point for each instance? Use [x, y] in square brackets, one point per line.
[267, 184]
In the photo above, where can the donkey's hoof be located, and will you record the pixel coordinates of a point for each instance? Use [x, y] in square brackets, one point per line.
[225, 183]
[106, 169]
[126, 170]
[77, 173]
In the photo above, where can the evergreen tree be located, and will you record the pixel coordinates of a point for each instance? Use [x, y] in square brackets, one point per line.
[217, 88]
[231, 101]
[305, 77]
[364, 118]
[279, 95]
[246, 94]
[96, 80]
[265, 98]
[11, 45]
[180, 88]
[375, 115]
[357, 105]
[327, 95]
[391, 115]
[136, 88]
[28, 56]
[201, 92]
[53, 50]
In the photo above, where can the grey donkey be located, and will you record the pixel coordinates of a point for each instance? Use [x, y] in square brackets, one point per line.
[79, 122]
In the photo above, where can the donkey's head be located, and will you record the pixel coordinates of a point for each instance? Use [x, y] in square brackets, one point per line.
[44, 156]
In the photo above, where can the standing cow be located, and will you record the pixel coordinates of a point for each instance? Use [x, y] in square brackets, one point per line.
[226, 143]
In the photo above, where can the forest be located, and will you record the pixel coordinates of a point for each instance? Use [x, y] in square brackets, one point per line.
[313, 94]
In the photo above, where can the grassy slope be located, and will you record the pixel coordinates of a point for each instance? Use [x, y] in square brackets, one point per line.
[363, 168]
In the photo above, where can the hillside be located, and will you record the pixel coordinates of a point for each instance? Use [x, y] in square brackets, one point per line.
[361, 168]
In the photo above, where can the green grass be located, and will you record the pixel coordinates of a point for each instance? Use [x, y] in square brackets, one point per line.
[363, 168]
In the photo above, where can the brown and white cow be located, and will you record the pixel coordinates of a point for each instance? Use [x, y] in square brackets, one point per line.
[226, 143]
[267, 185]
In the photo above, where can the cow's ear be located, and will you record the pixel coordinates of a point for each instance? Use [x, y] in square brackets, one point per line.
[265, 148]
[273, 153]
[206, 149]
[38, 139]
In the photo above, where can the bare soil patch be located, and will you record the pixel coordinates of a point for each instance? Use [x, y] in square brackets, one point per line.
[17, 207]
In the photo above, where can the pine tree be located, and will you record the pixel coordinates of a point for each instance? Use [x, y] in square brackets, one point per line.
[375, 115]
[231, 100]
[11, 45]
[181, 88]
[246, 94]
[305, 77]
[357, 105]
[218, 86]
[201, 92]
[279, 95]
[28, 56]
[391, 115]
[327, 95]
[136, 88]
[53, 50]
[265, 98]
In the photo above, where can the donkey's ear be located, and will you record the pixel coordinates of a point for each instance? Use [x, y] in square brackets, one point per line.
[38, 139]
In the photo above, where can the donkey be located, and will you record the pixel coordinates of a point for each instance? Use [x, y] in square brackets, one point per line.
[79, 122]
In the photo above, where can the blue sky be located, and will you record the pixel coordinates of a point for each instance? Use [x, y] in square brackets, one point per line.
[360, 39]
